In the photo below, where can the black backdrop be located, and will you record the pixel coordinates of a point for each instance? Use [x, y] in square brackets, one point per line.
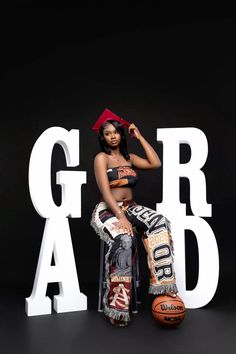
[157, 67]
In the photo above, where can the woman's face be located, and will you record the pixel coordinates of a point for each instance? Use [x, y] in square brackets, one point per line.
[111, 136]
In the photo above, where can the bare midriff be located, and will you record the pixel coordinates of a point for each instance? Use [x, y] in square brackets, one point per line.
[122, 194]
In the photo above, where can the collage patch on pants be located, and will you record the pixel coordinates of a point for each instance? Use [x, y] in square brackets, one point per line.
[160, 258]
[119, 297]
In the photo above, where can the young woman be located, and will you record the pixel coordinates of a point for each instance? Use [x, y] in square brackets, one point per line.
[117, 215]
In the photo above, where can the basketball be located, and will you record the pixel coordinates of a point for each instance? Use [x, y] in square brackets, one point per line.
[168, 310]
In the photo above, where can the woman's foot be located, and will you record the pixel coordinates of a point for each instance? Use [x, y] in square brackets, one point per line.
[118, 323]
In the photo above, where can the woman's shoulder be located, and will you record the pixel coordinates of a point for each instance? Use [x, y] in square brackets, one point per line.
[101, 158]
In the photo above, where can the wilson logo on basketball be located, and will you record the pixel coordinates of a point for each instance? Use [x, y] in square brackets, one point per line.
[171, 307]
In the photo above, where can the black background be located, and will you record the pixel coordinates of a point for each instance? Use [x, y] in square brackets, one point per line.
[157, 66]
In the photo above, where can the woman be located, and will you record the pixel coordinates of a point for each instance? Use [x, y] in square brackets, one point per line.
[115, 217]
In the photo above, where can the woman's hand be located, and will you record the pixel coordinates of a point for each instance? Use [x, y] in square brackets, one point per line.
[133, 130]
[125, 225]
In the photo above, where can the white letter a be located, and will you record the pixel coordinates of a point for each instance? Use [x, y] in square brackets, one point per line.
[57, 242]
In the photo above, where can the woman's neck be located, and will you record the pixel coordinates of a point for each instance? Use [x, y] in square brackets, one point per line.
[115, 152]
[116, 155]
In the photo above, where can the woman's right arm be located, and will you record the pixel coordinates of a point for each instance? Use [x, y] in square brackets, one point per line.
[100, 170]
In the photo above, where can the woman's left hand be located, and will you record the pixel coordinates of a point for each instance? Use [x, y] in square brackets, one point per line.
[133, 130]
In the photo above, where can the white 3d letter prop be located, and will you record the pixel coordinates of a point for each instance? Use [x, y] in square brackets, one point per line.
[174, 210]
[56, 238]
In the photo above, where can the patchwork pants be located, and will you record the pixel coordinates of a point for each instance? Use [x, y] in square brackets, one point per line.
[155, 231]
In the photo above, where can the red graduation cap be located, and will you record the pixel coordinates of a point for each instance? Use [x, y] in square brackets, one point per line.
[105, 116]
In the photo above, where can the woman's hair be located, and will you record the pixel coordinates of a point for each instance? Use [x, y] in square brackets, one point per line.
[123, 143]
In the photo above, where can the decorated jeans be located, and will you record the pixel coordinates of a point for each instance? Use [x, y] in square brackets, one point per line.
[156, 236]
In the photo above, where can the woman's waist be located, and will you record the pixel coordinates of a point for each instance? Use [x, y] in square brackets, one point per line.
[122, 193]
[121, 197]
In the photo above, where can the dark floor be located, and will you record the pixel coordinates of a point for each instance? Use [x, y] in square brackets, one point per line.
[208, 330]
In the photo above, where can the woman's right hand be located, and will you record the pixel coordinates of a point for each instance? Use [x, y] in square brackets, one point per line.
[125, 225]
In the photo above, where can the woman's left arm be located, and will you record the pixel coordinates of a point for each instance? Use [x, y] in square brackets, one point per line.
[152, 159]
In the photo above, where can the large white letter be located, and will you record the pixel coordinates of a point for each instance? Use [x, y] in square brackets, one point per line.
[56, 239]
[176, 211]
[40, 174]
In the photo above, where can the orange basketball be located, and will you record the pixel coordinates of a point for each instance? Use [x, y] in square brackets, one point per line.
[168, 310]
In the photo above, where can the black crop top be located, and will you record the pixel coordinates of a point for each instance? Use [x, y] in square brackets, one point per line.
[122, 176]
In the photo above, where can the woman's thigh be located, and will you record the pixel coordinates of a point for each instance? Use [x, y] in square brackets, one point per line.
[146, 220]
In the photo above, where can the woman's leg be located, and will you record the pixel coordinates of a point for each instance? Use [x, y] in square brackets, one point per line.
[118, 264]
[157, 240]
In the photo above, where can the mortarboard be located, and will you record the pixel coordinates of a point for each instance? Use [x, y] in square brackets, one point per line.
[105, 116]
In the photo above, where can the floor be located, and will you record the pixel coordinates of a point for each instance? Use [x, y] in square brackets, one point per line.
[207, 330]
